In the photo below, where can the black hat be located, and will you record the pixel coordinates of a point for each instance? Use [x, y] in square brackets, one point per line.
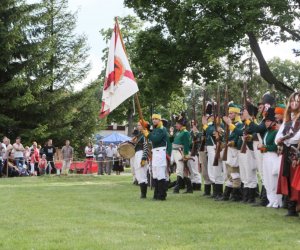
[181, 119]
[209, 109]
[165, 122]
[270, 115]
[268, 99]
[135, 132]
[252, 110]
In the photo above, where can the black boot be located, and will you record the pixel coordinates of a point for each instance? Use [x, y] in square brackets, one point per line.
[285, 201]
[197, 186]
[263, 197]
[162, 190]
[292, 209]
[178, 184]
[252, 193]
[155, 185]
[219, 191]
[245, 194]
[236, 195]
[143, 187]
[189, 187]
[207, 189]
[226, 194]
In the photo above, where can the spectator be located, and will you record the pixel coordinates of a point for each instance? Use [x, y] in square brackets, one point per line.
[43, 164]
[49, 150]
[12, 170]
[27, 157]
[100, 153]
[89, 156]
[18, 150]
[34, 160]
[67, 153]
[110, 153]
[2, 153]
[118, 164]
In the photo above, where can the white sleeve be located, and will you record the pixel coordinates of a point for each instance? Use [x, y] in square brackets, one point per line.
[279, 133]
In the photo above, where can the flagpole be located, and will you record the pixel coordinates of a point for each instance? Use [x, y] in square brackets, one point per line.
[136, 97]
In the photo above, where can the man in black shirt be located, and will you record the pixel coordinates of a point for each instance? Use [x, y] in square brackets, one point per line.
[49, 150]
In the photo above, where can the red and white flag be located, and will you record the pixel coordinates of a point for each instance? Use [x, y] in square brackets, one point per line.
[119, 81]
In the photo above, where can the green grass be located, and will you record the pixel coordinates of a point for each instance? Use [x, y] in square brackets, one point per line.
[91, 212]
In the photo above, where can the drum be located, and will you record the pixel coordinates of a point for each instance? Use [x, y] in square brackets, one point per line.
[126, 150]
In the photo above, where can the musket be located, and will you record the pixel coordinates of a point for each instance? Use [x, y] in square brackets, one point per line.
[217, 125]
[224, 158]
[202, 144]
[194, 148]
[244, 145]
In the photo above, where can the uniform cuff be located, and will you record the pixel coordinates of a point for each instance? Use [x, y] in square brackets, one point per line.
[231, 127]
[247, 122]
[205, 127]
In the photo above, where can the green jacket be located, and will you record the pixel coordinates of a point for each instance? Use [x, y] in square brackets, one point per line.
[234, 136]
[160, 138]
[183, 138]
[240, 131]
[269, 140]
[210, 139]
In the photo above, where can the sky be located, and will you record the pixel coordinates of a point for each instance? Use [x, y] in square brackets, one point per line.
[93, 15]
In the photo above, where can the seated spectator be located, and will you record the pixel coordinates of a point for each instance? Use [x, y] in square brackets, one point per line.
[11, 167]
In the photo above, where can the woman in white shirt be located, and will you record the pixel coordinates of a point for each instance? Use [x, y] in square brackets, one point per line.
[89, 156]
[288, 137]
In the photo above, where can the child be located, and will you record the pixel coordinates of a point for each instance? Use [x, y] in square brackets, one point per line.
[42, 165]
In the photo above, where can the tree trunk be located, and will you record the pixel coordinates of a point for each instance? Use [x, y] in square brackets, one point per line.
[265, 71]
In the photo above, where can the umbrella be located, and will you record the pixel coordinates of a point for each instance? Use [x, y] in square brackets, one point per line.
[115, 138]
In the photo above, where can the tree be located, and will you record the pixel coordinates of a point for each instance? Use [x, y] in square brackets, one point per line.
[43, 60]
[204, 30]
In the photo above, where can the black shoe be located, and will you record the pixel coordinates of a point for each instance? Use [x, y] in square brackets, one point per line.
[285, 200]
[236, 195]
[207, 189]
[162, 194]
[263, 197]
[219, 191]
[245, 194]
[189, 187]
[178, 184]
[197, 186]
[292, 209]
[252, 193]
[214, 194]
[155, 185]
[143, 187]
[226, 194]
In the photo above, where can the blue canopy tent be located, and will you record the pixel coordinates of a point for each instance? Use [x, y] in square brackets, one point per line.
[115, 138]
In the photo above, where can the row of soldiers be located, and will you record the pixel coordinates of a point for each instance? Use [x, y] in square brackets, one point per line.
[232, 151]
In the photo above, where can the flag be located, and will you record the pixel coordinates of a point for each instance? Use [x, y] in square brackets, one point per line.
[119, 82]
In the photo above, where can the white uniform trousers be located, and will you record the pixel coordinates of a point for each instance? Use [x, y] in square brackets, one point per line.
[258, 159]
[131, 162]
[178, 159]
[159, 163]
[194, 171]
[232, 162]
[215, 173]
[204, 171]
[271, 166]
[247, 168]
[140, 171]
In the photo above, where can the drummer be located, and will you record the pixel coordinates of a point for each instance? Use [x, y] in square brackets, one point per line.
[141, 159]
[159, 138]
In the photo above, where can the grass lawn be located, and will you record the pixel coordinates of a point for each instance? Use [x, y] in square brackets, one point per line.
[91, 212]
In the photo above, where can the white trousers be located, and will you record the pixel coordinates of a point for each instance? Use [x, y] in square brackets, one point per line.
[271, 165]
[159, 163]
[232, 161]
[247, 168]
[215, 173]
[194, 170]
[66, 166]
[204, 171]
[258, 159]
[140, 171]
